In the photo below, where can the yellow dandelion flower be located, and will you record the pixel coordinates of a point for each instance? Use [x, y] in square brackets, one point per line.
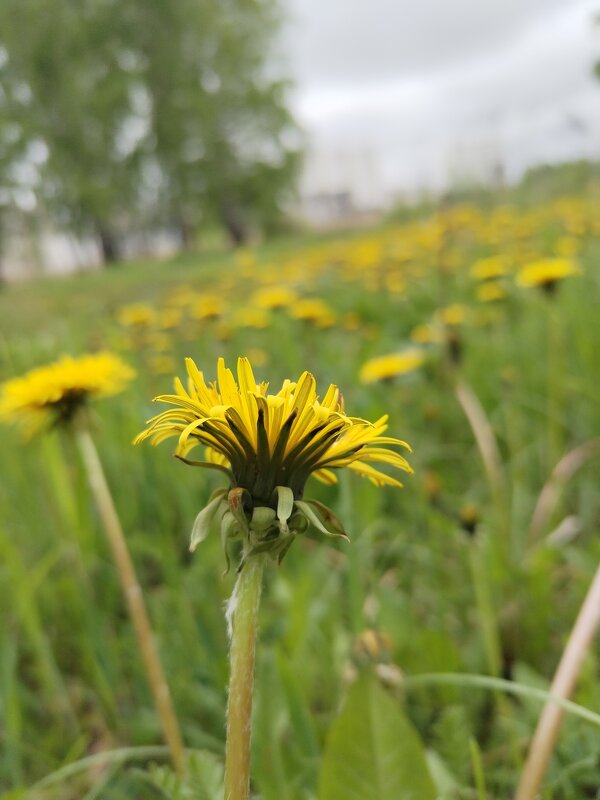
[315, 311]
[547, 272]
[56, 392]
[136, 315]
[451, 316]
[267, 440]
[249, 317]
[390, 366]
[426, 334]
[491, 292]
[207, 306]
[272, 297]
[487, 269]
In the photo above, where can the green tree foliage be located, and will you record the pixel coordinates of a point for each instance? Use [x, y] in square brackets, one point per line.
[68, 94]
[219, 127]
[147, 113]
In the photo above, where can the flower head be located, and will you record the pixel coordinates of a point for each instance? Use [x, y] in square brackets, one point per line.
[55, 392]
[385, 367]
[547, 272]
[313, 310]
[269, 445]
[491, 292]
[489, 269]
[268, 440]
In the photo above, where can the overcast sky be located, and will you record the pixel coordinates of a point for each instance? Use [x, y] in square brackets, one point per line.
[398, 94]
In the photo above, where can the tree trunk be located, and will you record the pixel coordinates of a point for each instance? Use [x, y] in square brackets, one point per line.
[186, 233]
[109, 246]
[231, 218]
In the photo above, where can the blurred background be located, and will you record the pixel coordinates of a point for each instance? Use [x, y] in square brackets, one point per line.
[143, 128]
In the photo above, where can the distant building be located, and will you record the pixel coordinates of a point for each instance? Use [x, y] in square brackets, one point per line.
[340, 187]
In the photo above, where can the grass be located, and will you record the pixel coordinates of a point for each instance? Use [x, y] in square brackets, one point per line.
[442, 596]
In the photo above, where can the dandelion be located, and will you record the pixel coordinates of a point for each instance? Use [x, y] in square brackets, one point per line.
[56, 392]
[489, 269]
[451, 316]
[390, 366]
[268, 445]
[250, 317]
[426, 334]
[273, 297]
[137, 315]
[57, 395]
[315, 311]
[491, 292]
[547, 273]
[207, 307]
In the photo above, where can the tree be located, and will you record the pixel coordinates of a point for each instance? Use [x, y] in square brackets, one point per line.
[68, 91]
[221, 134]
[149, 112]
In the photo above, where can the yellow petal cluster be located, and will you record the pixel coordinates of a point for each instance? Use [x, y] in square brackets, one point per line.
[389, 366]
[547, 272]
[267, 440]
[60, 388]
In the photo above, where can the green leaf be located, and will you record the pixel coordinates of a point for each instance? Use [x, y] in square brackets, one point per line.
[202, 779]
[373, 752]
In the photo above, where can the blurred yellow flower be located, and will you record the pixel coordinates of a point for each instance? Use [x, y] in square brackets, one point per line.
[249, 317]
[451, 315]
[384, 367]
[136, 315]
[272, 297]
[313, 310]
[491, 292]
[265, 441]
[489, 268]
[546, 272]
[207, 306]
[426, 334]
[55, 392]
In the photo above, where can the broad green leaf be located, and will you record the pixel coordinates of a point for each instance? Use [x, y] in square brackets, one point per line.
[373, 752]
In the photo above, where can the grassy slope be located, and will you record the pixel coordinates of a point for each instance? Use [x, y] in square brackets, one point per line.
[70, 679]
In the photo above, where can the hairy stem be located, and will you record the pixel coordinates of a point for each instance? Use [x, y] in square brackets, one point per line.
[242, 616]
[133, 595]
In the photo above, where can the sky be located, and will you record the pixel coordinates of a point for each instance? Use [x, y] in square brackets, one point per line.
[396, 96]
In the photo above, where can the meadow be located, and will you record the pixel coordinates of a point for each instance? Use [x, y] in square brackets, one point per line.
[377, 652]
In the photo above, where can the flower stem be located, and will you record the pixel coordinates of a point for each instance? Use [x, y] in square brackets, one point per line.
[133, 595]
[242, 616]
[563, 684]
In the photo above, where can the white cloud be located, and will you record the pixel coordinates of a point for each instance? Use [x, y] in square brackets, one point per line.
[417, 88]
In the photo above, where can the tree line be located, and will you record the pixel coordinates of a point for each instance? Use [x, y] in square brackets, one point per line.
[124, 116]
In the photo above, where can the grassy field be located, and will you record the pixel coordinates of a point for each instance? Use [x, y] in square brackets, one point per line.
[444, 580]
